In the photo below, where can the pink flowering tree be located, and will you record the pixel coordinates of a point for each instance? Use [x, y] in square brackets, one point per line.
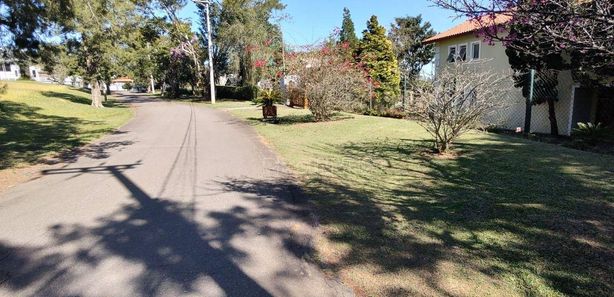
[189, 49]
[267, 62]
[328, 80]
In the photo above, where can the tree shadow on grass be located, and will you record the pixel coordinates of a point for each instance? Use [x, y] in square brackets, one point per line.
[67, 96]
[176, 252]
[79, 99]
[506, 209]
[27, 135]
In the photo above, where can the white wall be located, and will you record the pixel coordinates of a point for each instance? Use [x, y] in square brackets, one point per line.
[563, 108]
[117, 86]
[13, 74]
[512, 115]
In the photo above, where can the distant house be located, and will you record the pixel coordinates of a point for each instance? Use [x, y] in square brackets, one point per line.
[9, 71]
[38, 74]
[119, 83]
[575, 102]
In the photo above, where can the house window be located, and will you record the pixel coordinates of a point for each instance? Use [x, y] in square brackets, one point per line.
[462, 52]
[475, 50]
[451, 53]
[33, 73]
[6, 67]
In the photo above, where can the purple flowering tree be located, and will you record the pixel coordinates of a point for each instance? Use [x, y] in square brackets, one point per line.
[551, 34]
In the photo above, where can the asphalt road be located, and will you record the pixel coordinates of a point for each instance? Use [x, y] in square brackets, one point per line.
[181, 201]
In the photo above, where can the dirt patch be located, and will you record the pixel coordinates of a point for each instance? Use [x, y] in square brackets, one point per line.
[14, 176]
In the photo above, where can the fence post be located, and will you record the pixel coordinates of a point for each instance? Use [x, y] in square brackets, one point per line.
[529, 102]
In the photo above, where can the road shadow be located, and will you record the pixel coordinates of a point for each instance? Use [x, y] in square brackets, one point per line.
[125, 98]
[162, 236]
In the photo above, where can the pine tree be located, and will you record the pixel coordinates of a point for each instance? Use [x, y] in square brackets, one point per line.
[407, 35]
[376, 52]
[348, 33]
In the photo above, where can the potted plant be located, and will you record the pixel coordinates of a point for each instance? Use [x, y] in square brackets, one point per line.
[268, 97]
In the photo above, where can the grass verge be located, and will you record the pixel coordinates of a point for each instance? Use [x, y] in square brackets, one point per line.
[505, 217]
[38, 120]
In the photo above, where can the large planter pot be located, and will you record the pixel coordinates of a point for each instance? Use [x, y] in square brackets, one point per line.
[269, 112]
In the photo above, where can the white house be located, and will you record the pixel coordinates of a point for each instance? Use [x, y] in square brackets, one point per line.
[9, 71]
[38, 74]
[119, 83]
[575, 103]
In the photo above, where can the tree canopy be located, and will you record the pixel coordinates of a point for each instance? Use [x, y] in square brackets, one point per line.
[407, 35]
[245, 29]
[376, 53]
[348, 33]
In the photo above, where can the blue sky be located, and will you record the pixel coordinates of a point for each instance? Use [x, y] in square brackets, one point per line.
[310, 21]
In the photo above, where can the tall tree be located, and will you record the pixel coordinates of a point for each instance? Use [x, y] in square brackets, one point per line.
[245, 25]
[102, 27]
[148, 60]
[24, 26]
[407, 35]
[348, 33]
[376, 52]
[24, 23]
[221, 62]
[189, 44]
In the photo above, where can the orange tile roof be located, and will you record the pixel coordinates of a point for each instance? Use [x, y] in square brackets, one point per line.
[467, 27]
[123, 79]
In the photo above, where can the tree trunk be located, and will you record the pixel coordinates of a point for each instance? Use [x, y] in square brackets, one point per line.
[107, 90]
[153, 86]
[96, 100]
[554, 127]
[245, 70]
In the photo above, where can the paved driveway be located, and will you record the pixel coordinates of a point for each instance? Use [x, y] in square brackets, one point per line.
[182, 201]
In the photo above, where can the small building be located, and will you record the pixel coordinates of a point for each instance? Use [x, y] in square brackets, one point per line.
[575, 103]
[38, 74]
[9, 71]
[119, 83]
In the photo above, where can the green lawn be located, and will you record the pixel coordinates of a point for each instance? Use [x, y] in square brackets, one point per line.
[506, 217]
[37, 120]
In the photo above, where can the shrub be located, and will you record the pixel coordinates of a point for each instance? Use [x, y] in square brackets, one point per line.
[268, 96]
[3, 88]
[329, 82]
[127, 86]
[457, 100]
[589, 132]
[239, 93]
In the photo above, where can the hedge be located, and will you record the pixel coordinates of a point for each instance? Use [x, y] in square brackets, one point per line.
[238, 93]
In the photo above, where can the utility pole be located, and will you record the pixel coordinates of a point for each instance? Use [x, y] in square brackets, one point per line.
[206, 4]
